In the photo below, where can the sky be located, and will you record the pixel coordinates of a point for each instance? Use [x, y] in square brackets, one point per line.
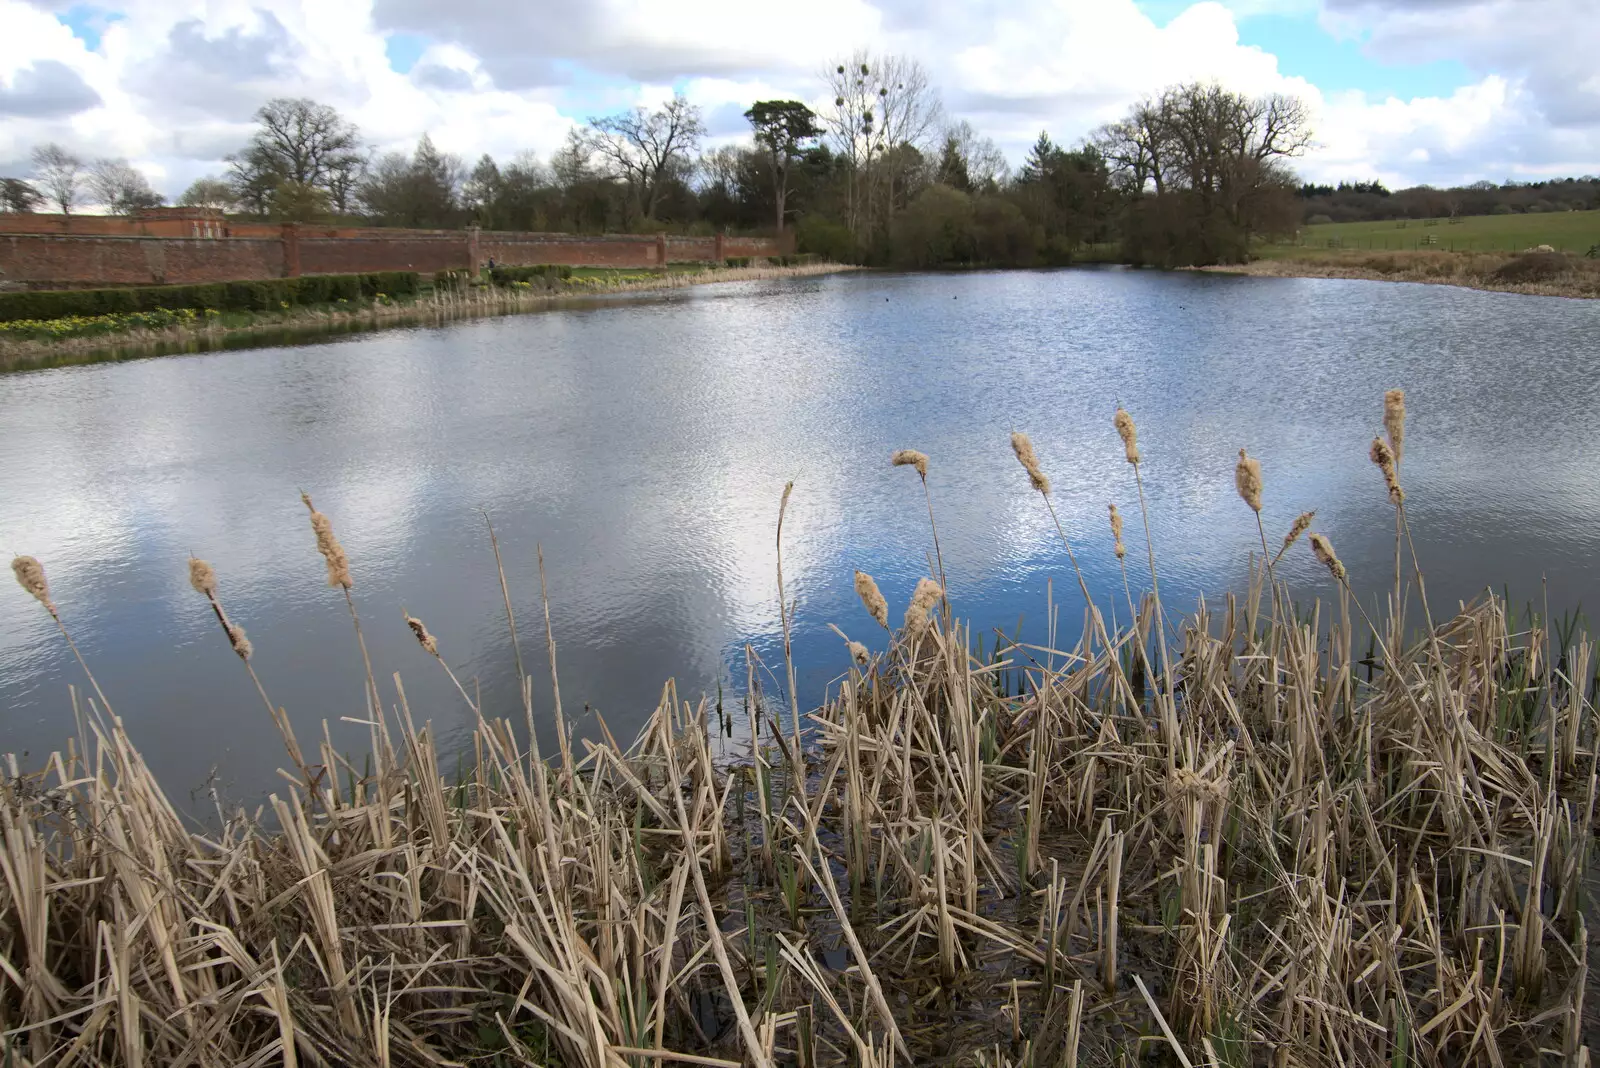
[1404, 91]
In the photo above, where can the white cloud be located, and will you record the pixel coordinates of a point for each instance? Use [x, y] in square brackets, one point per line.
[174, 82]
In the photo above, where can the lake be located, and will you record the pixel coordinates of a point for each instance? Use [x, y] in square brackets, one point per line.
[644, 443]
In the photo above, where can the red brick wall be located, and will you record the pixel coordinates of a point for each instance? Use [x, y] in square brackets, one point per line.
[105, 251]
[47, 261]
[352, 255]
[692, 249]
[511, 249]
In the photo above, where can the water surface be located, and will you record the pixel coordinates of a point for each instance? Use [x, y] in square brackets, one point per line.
[644, 443]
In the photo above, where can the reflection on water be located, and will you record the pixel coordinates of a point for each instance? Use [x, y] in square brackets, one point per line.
[644, 445]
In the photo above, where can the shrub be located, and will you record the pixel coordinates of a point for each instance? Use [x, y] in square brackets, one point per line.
[830, 240]
[1534, 267]
[1318, 220]
[45, 305]
[736, 261]
[546, 273]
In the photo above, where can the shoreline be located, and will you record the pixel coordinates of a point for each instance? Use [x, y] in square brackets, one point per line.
[1461, 269]
[309, 323]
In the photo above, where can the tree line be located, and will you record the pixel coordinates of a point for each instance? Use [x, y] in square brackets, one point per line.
[1372, 202]
[878, 174]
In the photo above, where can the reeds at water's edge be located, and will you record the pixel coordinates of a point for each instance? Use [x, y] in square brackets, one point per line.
[1283, 836]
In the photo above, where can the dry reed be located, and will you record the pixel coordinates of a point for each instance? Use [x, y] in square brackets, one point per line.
[30, 576]
[1394, 421]
[873, 599]
[1247, 480]
[1023, 447]
[1383, 456]
[1303, 864]
[911, 458]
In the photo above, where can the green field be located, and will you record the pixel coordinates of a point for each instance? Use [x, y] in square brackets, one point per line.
[1566, 231]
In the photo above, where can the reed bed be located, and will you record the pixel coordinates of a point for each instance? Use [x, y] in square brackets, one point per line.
[442, 305]
[1267, 835]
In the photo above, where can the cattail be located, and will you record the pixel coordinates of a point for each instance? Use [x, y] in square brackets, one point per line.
[30, 576]
[923, 598]
[1383, 456]
[1247, 477]
[1394, 420]
[1129, 434]
[1323, 549]
[329, 547]
[1023, 447]
[1116, 532]
[858, 653]
[424, 639]
[911, 458]
[1301, 525]
[236, 638]
[201, 577]
[870, 596]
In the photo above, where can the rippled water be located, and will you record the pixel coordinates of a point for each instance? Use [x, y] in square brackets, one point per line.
[645, 443]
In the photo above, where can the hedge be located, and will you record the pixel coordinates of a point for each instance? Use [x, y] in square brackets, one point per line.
[221, 296]
[504, 276]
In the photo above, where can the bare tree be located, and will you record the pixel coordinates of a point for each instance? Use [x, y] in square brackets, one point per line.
[1225, 154]
[120, 188]
[643, 147]
[300, 141]
[19, 197]
[209, 192]
[60, 173]
[882, 105]
[1135, 147]
[976, 160]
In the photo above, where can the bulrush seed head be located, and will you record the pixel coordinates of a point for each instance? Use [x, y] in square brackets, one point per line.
[911, 458]
[1247, 477]
[1302, 523]
[1323, 549]
[1129, 435]
[236, 638]
[870, 596]
[1116, 532]
[30, 576]
[1394, 421]
[859, 654]
[1023, 447]
[328, 545]
[1383, 456]
[201, 577]
[424, 639]
[923, 598]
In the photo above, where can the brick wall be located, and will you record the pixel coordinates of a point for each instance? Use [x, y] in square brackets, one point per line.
[37, 251]
[510, 249]
[46, 261]
[352, 255]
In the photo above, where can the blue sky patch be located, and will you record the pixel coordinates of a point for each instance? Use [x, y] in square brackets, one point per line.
[87, 22]
[404, 49]
[1304, 49]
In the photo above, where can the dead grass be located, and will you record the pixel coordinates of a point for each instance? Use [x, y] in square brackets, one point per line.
[1539, 274]
[1258, 836]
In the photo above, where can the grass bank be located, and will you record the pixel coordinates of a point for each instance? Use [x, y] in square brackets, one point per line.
[1539, 273]
[1565, 231]
[80, 340]
[1261, 834]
